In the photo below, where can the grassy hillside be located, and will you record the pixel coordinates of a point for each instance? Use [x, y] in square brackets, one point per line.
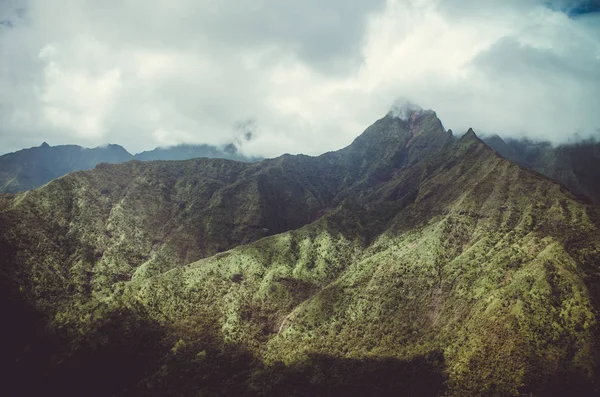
[406, 264]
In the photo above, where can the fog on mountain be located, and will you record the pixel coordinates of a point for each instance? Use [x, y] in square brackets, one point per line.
[342, 198]
[410, 262]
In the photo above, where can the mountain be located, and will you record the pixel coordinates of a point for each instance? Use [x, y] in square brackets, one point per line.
[31, 168]
[185, 152]
[574, 165]
[409, 262]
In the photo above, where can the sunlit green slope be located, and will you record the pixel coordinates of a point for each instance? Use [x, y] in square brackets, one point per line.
[408, 263]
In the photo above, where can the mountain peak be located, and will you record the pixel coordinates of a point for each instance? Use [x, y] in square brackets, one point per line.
[469, 139]
[405, 110]
[469, 135]
[44, 145]
[418, 230]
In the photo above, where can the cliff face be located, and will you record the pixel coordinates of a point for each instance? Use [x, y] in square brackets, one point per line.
[408, 262]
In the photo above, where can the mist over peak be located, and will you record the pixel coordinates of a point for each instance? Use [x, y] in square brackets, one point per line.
[299, 79]
[404, 109]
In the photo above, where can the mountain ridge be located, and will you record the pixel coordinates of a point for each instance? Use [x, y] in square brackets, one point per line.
[33, 167]
[407, 250]
[574, 165]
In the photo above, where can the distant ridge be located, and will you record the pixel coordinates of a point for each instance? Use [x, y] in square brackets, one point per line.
[576, 165]
[185, 152]
[31, 168]
[407, 263]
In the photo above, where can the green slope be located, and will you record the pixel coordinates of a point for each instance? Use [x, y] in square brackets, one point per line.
[407, 263]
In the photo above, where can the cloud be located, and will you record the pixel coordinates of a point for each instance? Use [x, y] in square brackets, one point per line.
[298, 76]
[575, 8]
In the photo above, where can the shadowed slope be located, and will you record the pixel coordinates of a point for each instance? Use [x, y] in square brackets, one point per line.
[437, 257]
[130, 220]
[575, 165]
[489, 264]
[31, 168]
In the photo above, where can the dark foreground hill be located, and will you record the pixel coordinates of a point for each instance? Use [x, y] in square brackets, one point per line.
[577, 166]
[31, 168]
[408, 263]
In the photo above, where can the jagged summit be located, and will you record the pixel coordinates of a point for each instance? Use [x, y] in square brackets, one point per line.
[408, 261]
[469, 135]
[405, 110]
[44, 145]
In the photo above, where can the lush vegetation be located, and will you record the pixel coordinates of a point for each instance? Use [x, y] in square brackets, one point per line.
[575, 165]
[408, 263]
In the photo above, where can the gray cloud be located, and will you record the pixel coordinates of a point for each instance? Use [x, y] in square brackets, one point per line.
[541, 93]
[302, 76]
[575, 8]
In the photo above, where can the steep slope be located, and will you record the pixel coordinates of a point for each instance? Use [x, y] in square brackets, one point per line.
[575, 165]
[118, 222]
[405, 263]
[486, 273]
[31, 168]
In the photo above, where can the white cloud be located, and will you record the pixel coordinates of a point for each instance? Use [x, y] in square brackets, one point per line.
[310, 75]
[74, 100]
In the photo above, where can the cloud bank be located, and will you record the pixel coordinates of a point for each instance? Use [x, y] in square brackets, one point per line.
[297, 77]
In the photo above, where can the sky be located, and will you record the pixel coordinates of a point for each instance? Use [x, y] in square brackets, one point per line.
[279, 76]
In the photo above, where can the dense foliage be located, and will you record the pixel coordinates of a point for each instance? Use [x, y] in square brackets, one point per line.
[408, 263]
